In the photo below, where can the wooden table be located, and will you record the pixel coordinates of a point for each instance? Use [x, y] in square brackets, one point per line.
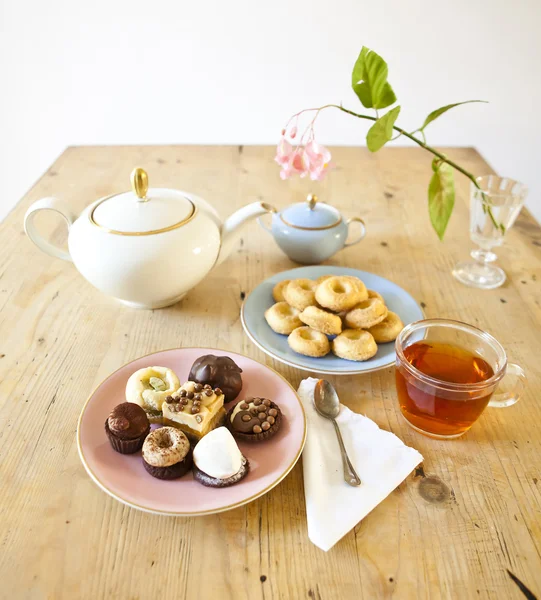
[62, 537]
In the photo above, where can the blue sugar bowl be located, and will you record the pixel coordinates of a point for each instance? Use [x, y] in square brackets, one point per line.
[311, 232]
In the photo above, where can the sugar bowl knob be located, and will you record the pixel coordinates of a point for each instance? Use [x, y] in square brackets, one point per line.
[311, 200]
[139, 183]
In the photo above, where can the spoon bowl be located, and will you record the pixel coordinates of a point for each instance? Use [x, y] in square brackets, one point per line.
[326, 399]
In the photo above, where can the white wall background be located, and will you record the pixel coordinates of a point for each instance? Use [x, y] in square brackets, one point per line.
[217, 71]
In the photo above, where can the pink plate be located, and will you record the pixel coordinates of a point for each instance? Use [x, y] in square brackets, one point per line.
[124, 477]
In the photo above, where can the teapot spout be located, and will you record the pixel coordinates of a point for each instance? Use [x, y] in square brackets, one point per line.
[234, 224]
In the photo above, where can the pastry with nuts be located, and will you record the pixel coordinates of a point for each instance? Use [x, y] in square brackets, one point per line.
[254, 419]
[217, 460]
[167, 453]
[127, 427]
[195, 408]
[218, 371]
[149, 387]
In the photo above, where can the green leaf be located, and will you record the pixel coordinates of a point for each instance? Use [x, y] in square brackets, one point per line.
[382, 130]
[439, 111]
[369, 80]
[441, 196]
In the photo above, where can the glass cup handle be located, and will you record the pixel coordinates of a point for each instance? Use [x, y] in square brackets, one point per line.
[508, 398]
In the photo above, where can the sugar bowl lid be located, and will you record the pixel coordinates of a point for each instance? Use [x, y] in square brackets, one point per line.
[311, 215]
[143, 210]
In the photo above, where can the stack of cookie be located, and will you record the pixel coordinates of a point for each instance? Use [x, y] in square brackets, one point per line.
[308, 312]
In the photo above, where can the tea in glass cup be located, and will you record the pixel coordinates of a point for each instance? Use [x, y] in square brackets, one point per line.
[446, 375]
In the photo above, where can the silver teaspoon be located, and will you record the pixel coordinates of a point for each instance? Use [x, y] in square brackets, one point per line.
[328, 406]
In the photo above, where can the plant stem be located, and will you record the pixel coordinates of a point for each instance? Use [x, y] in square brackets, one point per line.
[442, 157]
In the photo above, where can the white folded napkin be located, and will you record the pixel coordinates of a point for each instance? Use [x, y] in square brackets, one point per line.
[381, 460]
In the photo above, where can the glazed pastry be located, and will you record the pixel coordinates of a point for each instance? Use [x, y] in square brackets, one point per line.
[195, 408]
[388, 329]
[217, 460]
[341, 293]
[300, 293]
[278, 290]
[127, 427]
[366, 314]
[254, 419]
[309, 342]
[354, 344]
[283, 318]
[149, 387]
[218, 372]
[167, 453]
[321, 320]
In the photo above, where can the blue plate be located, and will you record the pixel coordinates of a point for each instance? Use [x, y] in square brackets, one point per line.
[275, 345]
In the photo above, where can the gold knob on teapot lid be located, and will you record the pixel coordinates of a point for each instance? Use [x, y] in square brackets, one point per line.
[139, 183]
[311, 200]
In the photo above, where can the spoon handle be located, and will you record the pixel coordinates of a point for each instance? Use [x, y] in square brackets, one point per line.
[350, 476]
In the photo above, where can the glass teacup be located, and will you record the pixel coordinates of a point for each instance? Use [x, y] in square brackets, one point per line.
[447, 373]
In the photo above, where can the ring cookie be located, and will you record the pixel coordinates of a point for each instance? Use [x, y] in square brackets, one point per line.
[373, 294]
[321, 320]
[283, 318]
[366, 314]
[354, 344]
[309, 342]
[341, 293]
[300, 293]
[278, 290]
[388, 329]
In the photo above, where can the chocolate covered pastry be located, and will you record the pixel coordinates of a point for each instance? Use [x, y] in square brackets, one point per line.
[218, 371]
[254, 419]
[127, 427]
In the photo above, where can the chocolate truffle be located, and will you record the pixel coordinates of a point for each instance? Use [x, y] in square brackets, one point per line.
[219, 372]
[127, 427]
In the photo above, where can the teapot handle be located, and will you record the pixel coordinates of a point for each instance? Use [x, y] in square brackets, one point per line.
[59, 206]
[361, 235]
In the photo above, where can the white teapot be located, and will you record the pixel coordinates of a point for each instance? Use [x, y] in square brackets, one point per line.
[146, 247]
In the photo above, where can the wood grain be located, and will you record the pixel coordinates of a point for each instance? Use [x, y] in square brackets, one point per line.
[62, 537]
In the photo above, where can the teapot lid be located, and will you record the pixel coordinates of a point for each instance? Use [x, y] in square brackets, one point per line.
[311, 214]
[144, 210]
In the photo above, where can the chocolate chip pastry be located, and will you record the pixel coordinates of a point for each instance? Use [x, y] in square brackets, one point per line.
[254, 419]
[195, 408]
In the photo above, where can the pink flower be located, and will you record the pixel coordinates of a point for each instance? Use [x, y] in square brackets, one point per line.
[284, 151]
[319, 159]
[297, 164]
[293, 132]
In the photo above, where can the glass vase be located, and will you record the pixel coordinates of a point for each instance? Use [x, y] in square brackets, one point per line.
[493, 210]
